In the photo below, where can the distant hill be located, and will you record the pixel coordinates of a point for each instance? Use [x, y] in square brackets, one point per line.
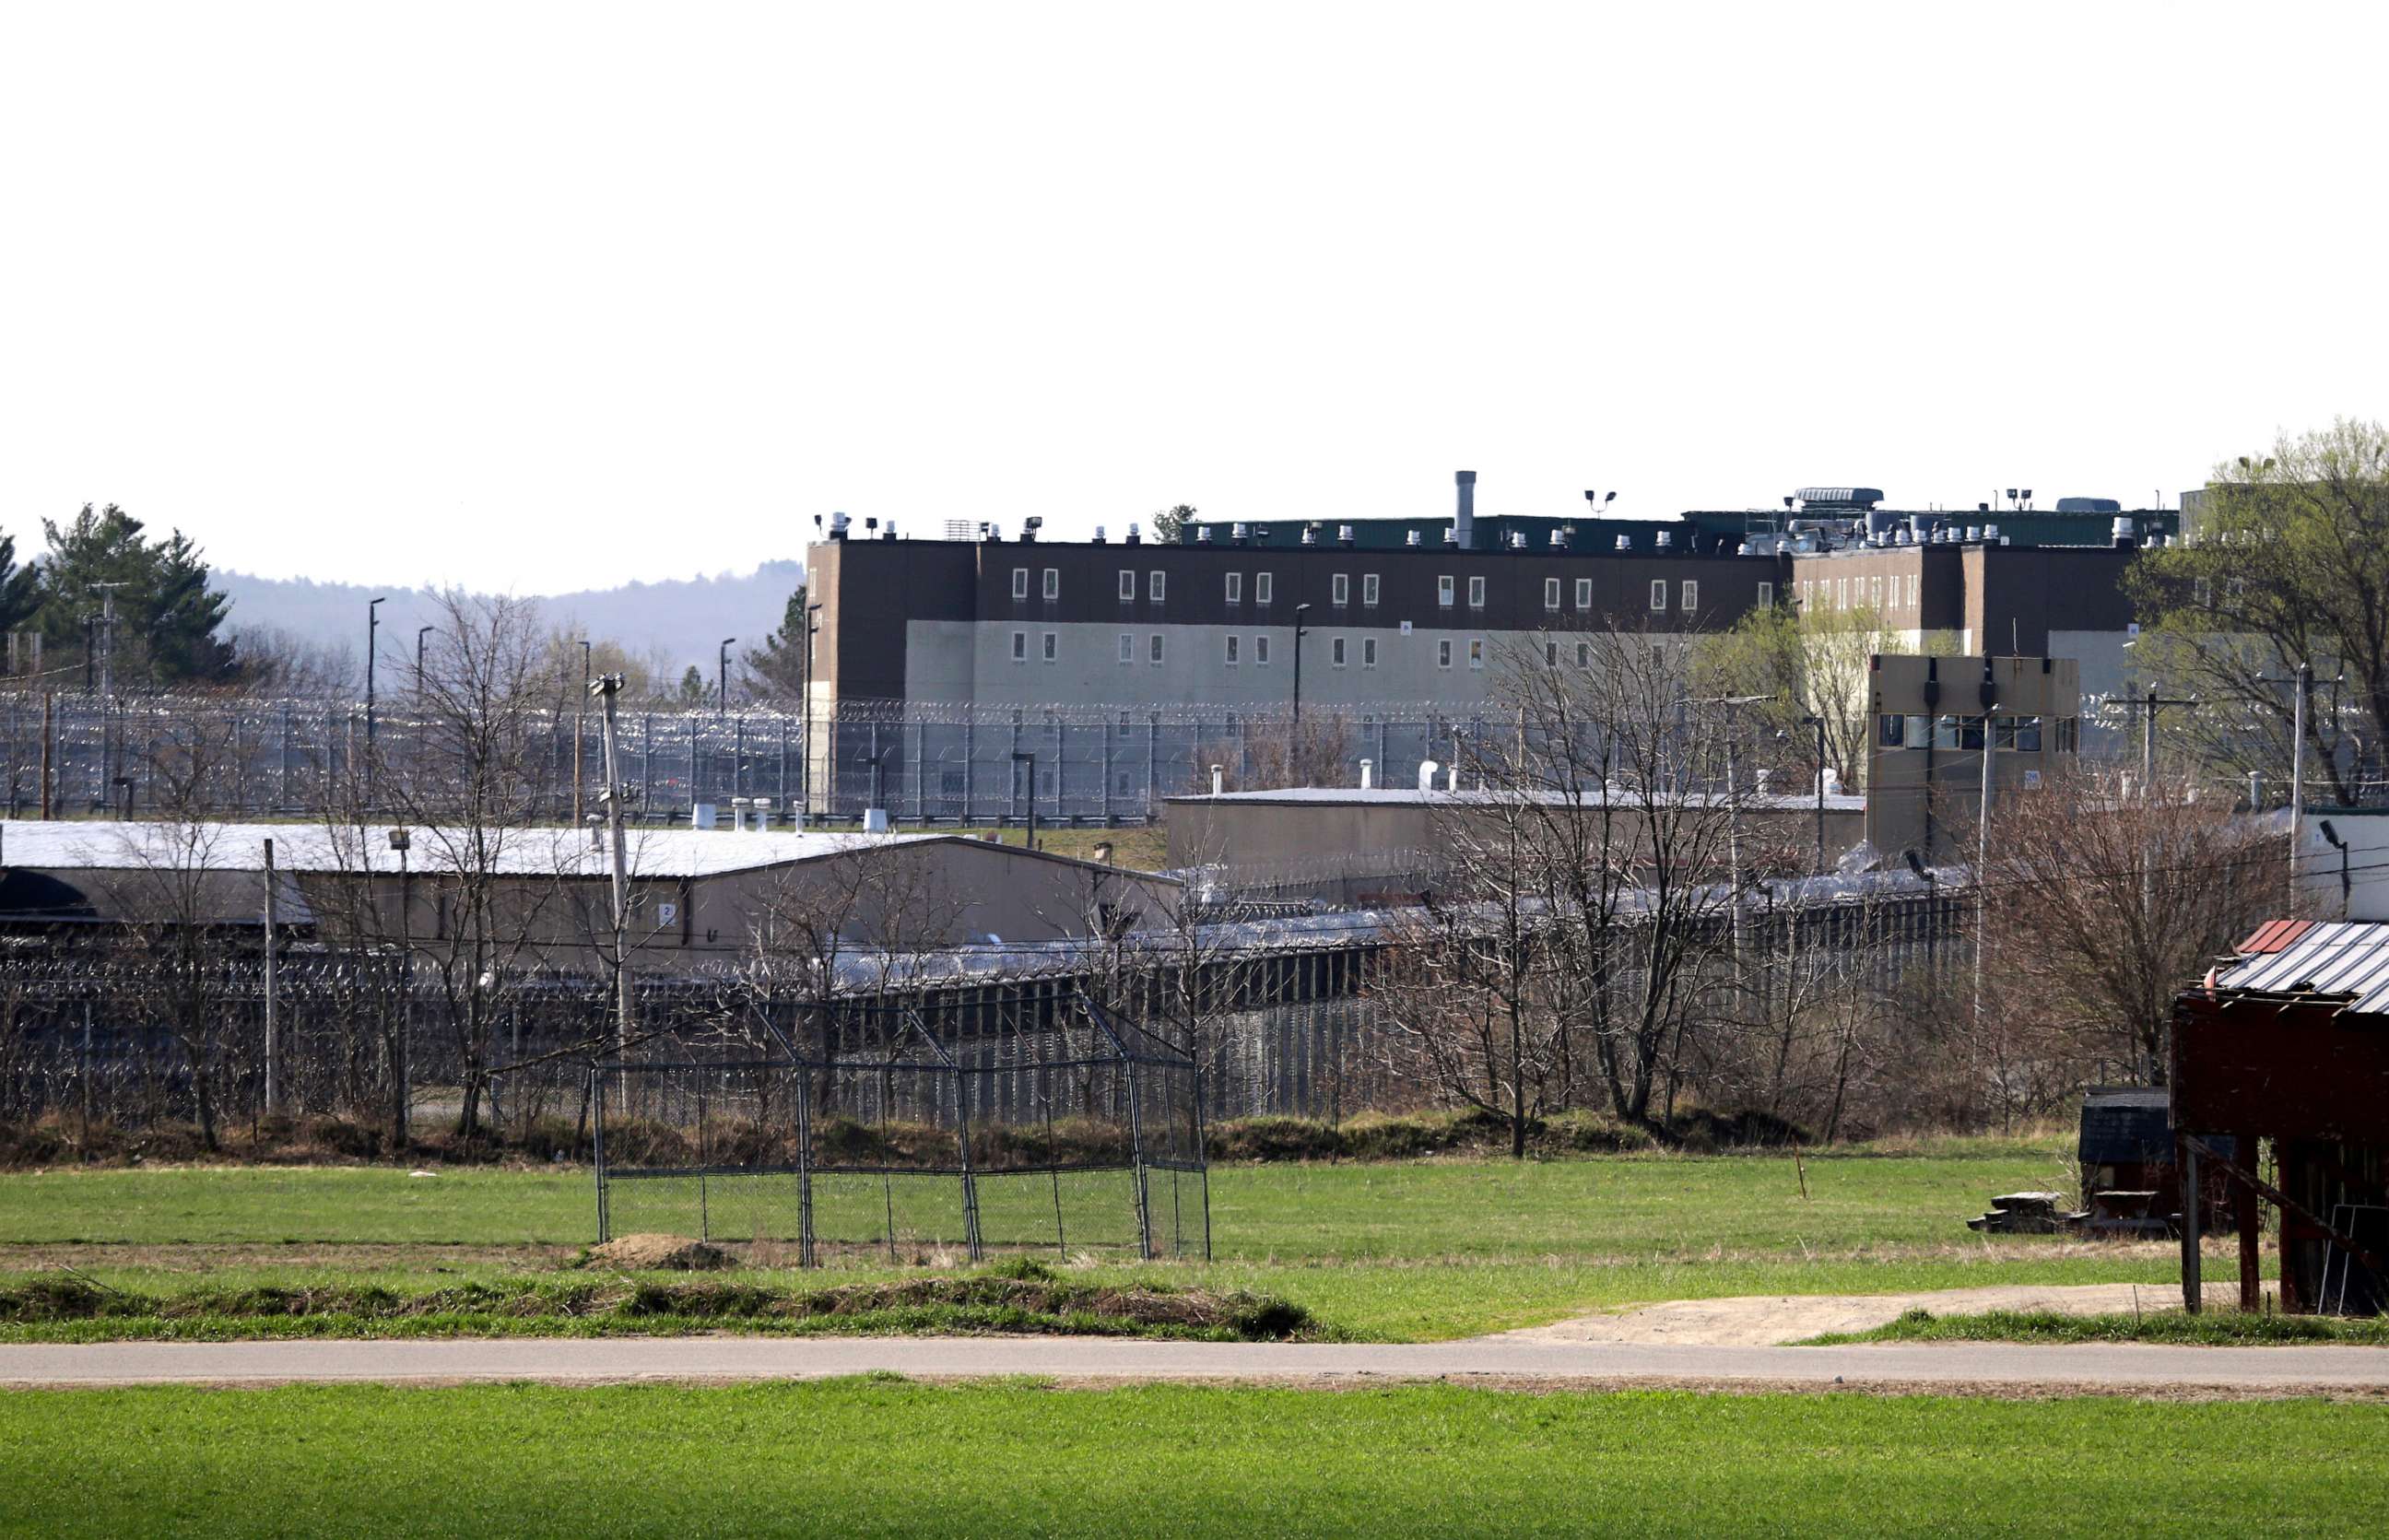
[681, 618]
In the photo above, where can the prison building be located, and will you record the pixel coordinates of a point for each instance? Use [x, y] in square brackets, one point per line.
[696, 896]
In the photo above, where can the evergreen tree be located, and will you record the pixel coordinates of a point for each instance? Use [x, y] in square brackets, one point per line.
[777, 667]
[21, 587]
[167, 617]
[692, 687]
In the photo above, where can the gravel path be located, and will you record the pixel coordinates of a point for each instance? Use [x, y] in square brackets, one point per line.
[1941, 1366]
[1758, 1320]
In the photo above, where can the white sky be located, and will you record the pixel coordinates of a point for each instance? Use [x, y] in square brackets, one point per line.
[544, 297]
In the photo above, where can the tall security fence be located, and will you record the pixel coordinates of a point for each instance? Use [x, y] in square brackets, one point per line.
[81, 755]
[1278, 1017]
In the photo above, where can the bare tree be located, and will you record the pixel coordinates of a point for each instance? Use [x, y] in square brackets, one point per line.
[2107, 895]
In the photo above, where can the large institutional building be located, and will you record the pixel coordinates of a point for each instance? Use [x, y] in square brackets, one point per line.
[1401, 614]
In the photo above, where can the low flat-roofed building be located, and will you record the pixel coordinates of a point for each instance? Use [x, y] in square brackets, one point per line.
[696, 895]
[1933, 716]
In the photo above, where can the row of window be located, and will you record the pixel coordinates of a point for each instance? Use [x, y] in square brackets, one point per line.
[1238, 649]
[1339, 587]
[2008, 734]
[1866, 590]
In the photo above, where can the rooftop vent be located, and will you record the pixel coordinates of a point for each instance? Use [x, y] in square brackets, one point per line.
[1411, 540]
[2089, 505]
[1839, 497]
[1343, 534]
[1099, 534]
[837, 523]
[1133, 537]
[1626, 542]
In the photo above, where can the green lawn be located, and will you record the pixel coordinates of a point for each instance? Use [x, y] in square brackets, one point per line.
[890, 1458]
[1407, 1251]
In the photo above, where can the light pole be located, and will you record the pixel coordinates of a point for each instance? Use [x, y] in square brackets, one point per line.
[420, 632]
[1299, 632]
[580, 730]
[606, 689]
[721, 703]
[1017, 756]
[402, 1091]
[805, 718]
[1819, 723]
[373, 626]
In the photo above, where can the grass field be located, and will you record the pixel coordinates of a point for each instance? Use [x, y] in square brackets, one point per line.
[889, 1458]
[1414, 1251]
[2220, 1325]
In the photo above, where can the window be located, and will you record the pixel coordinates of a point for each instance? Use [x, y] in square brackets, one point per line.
[1154, 585]
[1369, 590]
[1658, 594]
[1443, 650]
[1053, 644]
[1841, 593]
[1920, 731]
[2019, 735]
[1020, 582]
[1970, 733]
[1476, 593]
[1692, 595]
[1550, 594]
[2202, 592]
[1128, 647]
[1875, 592]
[1019, 647]
[1236, 587]
[1156, 648]
[1053, 584]
[1893, 730]
[1584, 654]
[1128, 586]
[1584, 593]
[1368, 652]
[1335, 652]
[1263, 582]
[1766, 595]
[1477, 652]
[1551, 653]
[1260, 651]
[1339, 590]
[1945, 732]
[1235, 643]
[1443, 591]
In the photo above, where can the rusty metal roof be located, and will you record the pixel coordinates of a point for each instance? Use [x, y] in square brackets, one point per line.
[2274, 935]
[2322, 959]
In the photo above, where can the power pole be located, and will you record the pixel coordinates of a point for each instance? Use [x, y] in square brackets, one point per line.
[272, 980]
[580, 730]
[605, 688]
[1983, 861]
[2304, 683]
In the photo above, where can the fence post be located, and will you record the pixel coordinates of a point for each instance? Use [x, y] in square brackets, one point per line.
[597, 1144]
[1136, 1151]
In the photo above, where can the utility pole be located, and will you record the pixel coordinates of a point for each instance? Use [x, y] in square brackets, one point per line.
[805, 718]
[606, 688]
[273, 981]
[1017, 756]
[1990, 700]
[403, 1099]
[580, 730]
[1819, 723]
[1299, 632]
[373, 626]
[2303, 683]
[108, 639]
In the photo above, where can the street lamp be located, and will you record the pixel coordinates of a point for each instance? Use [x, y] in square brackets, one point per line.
[1017, 756]
[421, 633]
[1299, 632]
[721, 703]
[373, 626]
[1819, 723]
[580, 730]
[399, 839]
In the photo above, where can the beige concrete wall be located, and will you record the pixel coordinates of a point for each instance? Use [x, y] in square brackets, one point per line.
[1919, 794]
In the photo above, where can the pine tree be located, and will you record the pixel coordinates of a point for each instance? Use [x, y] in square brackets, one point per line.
[167, 617]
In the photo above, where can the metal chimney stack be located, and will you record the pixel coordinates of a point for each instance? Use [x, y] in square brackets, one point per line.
[1464, 520]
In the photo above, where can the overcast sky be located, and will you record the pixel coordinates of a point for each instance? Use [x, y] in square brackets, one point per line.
[545, 297]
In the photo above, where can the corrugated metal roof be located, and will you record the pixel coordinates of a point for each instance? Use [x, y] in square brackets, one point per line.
[2325, 959]
[2275, 935]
